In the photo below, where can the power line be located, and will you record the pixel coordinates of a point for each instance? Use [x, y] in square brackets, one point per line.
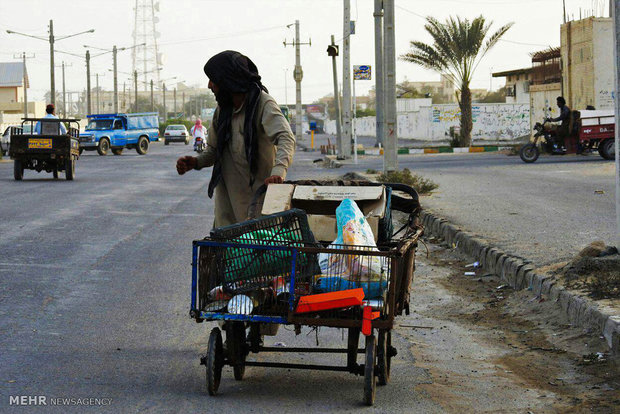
[523, 43]
[501, 40]
[223, 36]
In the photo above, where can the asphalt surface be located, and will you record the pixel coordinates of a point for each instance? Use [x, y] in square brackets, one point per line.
[545, 212]
[95, 290]
[95, 294]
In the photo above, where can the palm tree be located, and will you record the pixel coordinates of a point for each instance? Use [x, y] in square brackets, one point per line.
[457, 49]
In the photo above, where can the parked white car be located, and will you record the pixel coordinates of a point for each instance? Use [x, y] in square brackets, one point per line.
[5, 140]
[176, 133]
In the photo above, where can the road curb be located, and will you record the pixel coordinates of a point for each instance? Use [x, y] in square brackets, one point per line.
[520, 274]
[437, 150]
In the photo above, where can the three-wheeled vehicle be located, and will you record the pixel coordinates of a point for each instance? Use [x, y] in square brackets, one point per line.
[590, 131]
[49, 151]
[270, 271]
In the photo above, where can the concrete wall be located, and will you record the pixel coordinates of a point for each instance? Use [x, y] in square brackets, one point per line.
[587, 63]
[35, 109]
[8, 94]
[412, 104]
[543, 97]
[432, 123]
[602, 32]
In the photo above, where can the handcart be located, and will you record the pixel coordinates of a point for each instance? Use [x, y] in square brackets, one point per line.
[48, 151]
[256, 275]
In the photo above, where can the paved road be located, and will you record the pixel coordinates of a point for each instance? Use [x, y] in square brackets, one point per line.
[95, 293]
[546, 211]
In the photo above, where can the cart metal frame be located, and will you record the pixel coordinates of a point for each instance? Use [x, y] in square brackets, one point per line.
[378, 349]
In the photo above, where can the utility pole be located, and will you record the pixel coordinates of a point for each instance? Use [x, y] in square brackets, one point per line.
[165, 112]
[332, 50]
[183, 107]
[88, 103]
[52, 80]
[616, 20]
[379, 80]
[25, 86]
[51, 39]
[23, 58]
[98, 91]
[114, 64]
[286, 86]
[390, 154]
[152, 101]
[135, 88]
[64, 92]
[174, 97]
[346, 82]
[564, 10]
[298, 74]
[114, 52]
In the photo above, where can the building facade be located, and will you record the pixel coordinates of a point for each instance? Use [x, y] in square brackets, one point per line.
[517, 84]
[588, 63]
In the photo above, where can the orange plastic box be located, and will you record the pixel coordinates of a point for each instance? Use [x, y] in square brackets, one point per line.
[331, 300]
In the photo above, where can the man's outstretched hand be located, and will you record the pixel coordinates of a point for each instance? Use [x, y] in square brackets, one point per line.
[274, 179]
[184, 164]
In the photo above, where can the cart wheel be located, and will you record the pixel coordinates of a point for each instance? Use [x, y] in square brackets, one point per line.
[353, 340]
[384, 356]
[18, 170]
[370, 381]
[235, 347]
[214, 360]
[70, 169]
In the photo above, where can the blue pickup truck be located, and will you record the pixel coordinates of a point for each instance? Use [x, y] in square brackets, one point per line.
[115, 132]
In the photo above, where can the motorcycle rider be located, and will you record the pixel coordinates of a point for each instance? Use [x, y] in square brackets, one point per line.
[198, 131]
[563, 129]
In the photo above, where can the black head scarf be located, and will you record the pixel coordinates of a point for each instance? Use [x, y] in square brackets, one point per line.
[233, 72]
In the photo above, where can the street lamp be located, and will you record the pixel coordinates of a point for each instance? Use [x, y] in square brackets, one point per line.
[114, 51]
[51, 41]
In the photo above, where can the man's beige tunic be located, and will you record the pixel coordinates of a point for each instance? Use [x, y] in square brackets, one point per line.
[276, 146]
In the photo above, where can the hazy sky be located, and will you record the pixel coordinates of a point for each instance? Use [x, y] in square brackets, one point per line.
[193, 30]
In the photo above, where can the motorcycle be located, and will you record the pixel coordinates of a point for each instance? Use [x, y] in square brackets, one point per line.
[545, 139]
[199, 144]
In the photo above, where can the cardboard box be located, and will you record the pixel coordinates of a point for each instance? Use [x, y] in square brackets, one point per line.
[320, 203]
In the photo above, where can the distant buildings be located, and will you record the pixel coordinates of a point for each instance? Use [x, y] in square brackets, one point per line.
[12, 93]
[588, 63]
[517, 84]
[581, 70]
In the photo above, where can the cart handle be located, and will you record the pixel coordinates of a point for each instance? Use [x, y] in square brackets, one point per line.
[409, 206]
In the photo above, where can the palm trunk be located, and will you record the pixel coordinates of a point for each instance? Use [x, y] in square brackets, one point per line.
[466, 116]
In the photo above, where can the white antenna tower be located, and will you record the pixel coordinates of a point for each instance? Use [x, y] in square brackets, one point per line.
[147, 60]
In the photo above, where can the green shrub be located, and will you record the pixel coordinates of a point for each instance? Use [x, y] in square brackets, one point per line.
[422, 185]
[371, 171]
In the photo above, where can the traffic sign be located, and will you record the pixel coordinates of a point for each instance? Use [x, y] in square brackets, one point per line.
[361, 72]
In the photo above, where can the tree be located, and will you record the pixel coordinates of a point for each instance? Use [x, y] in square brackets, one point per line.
[498, 96]
[458, 47]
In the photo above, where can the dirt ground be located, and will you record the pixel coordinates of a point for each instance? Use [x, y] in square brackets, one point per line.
[488, 348]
